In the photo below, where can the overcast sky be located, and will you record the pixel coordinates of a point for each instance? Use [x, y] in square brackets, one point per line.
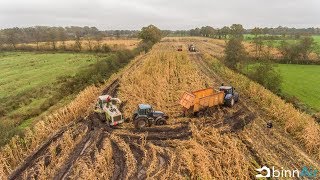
[166, 14]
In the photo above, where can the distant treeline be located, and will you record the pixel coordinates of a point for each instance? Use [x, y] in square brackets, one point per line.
[208, 31]
[38, 34]
[16, 38]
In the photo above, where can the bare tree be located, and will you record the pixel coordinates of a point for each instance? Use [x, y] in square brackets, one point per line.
[78, 44]
[53, 37]
[12, 36]
[89, 41]
[98, 38]
[62, 37]
[306, 45]
[258, 46]
[36, 34]
[2, 41]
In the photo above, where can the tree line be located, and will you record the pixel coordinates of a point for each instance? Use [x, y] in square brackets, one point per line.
[222, 33]
[208, 31]
[11, 37]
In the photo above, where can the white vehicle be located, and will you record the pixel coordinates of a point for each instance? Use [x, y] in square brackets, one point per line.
[108, 111]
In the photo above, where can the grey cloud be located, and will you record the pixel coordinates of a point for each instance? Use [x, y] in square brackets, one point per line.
[167, 14]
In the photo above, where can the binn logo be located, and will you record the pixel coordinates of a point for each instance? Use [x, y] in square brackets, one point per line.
[260, 170]
[266, 172]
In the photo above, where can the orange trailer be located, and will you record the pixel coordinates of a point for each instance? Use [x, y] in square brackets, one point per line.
[198, 101]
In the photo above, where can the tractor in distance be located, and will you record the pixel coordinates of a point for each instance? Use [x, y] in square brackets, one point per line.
[107, 110]
[145, 116]
[179, 48]
[192, 48]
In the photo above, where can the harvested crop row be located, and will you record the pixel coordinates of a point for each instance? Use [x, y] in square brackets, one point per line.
[160, 80]
[47, 165]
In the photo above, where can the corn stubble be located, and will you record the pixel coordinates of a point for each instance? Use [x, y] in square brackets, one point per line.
[164, 75]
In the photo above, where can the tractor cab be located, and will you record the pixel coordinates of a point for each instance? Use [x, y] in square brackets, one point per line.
[144, 109]
[147, 110]
[226, 89]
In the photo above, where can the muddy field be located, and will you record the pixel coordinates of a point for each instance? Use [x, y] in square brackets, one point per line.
[228, 143]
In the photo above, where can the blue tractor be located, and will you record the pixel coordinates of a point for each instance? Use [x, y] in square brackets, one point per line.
[230, 95]
[145, 116]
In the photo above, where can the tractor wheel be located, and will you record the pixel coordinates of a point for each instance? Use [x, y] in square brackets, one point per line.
[237, 100]
[230, 102]
[140, 123]
[160, 122]
[200, 114]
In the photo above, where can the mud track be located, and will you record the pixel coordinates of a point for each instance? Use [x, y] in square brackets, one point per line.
[119, 162]
[96, 128]
[134, 139]
[30, 160]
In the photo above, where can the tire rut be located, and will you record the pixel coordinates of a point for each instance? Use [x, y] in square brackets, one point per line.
[76, 153]
[31, 160]
[96, 128]
[120, 170]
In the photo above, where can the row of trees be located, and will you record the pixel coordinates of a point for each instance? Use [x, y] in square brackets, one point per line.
[280, 32]
[51, 35]
[37, 34]
[297, 52]
[208, 31]
[292, 51]
[284, 31]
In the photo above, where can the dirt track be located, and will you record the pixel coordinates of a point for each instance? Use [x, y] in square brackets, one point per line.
[159, 152]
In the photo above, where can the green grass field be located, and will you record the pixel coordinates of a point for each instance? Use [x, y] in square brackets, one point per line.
[302, 82]
[28, 80]
[299, 83]
[21, 72]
